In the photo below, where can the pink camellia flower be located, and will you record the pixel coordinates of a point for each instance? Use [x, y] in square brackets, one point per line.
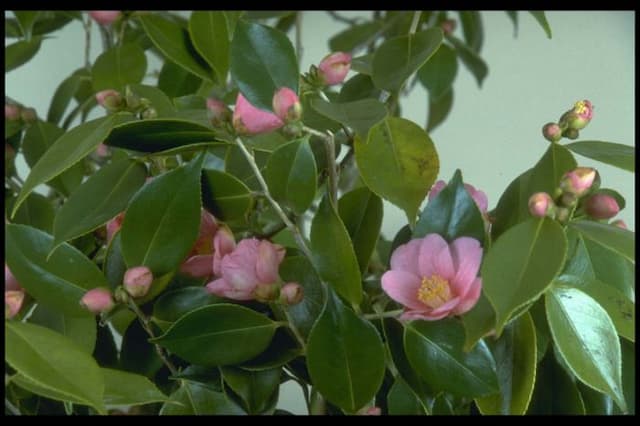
[114, 226]
[334, 68]
[97, 300]
[478, 196]
[578, 181]
[601, 206]
[541, 204]
[199, 260]
[250, 120]
[11, 112]
[10, 282]
[286, 105]
[137, 281]
[13, 300]
[252, 266]
[104, 17]
[434, 279]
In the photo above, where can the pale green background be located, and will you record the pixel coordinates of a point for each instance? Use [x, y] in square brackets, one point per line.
[493, 133]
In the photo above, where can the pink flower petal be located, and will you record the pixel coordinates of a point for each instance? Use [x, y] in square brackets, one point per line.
[267, 263]
[445, 308]
[431, 246]
[436, 188]
[470, 299]
[402, 287]
[421, 315]
[467, 256]
[443, 264]
[198, 266]
[405, 257]
[239, 271]
[222, 288]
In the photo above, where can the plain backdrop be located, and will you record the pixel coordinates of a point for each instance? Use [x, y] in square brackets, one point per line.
[493, 133]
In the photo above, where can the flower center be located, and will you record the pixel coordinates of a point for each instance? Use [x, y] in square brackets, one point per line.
[434, 291]
[582, 109]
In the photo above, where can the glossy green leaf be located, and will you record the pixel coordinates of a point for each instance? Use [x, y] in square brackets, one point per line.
[291, 174]
[176, 81]
[67, 150]
[358, 87]
[80, 329]
[515, 355]
[513, 205]
[548, 171]
[190, 102]
[618, 240]
[36, 212]
[114, 266]
[163, 219]
[434, 349]
[542, 20]
[398, 161]
[472, 29]
[226, 196]
[333, 254]
[452, 214]
[615, 154]
[119, 66]
[210, 37]
[256, 388]
[52, 361]
[62, 97]
[173, 41]
[363, 64]
[26, 19]
[360, 115]
[159, 100]
[262, 61]
[474, 63]
[122, 388]
[478, 322]
[217, 335]
[283, 349]
[345, 357]
[521, 265]
[174, 304]
[595, 402]
[99, 199]
[195, 399]
[59, 282]
[555, 392]
[354, 36]
[398, 58]
[401, 400]
[20, 52]
[586, 339]
[439, 110]
[628, 374]
[361, 212]
[439, 72]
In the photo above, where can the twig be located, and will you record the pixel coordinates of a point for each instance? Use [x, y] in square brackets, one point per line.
[388, 314]
[329, 146]
[87, 42]
[299, 49]
[416, 20]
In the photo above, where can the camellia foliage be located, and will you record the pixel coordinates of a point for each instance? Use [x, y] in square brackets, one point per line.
[214, 231]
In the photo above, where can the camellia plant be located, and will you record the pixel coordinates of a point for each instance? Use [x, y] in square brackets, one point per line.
[215, 233]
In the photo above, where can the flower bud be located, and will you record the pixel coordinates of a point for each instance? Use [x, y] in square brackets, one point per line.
[601, 206]
[552, 132]
[578, 181]
[372, 411]
[10, 282]
[13, 300]
[448, 26]
[102, 150]
[250, 120]
[28, 115]
[286, 105]
[219, 113]
[571, 134]
[541, 205]
[334, 68]
[97, 300]
[110, 100]
[291, 294]
[104, 17]
[114, 226]
[619, 223]
[266, 292]
[11, 112]
[581, 115]
[137, 281]
[562, 214]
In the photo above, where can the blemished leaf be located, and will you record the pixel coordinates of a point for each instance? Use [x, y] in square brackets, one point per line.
[398, 161]
[474, 63]
[434, 350]
[226, 196]
[398, 58]
[163, 219]
[210, 37]
[618, 240]
[123, 388]
[521, 265]
[262, 61]
[360, 115]
[587, 340]
[542, 20]
[354, 36]
[54, 363]
[80, 329]
[59, 282]
[615, 154]
[439, 72]
[333, 254]
[20, 52]
[439, 110]
[119, 66]
[345, 357]
[196, 399]
[176, 81]
[218, 335]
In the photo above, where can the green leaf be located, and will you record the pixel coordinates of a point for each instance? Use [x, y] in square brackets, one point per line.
[81, 330]
[256, 388]
[515, 355]
[172, 305]
[434, 350]
[119, 66]
[226, 196]
[513, 15]
[398, 58]
[20, 53]
[67, 150]
[360, 115]
[122, 388]
[361, 212]
[195, 399]
[262, 61]
[114, 266]
[542, 20]
[472, 29]
[548, 171]
[586, 339]
[345, 357]
[291, 174]
[163, 219]
[36, 212]
[439, 110]
[439, 72]
[282, 350]
[398, 161]
[615, 154]
[99, 199]
[59, 282]
[555, 392]
[478, 322]
[401, 400]
[175, 81]
[333, 254]
[452, 213]
[521, 265]
[63, 95]
[159, 135]
[160, 102]
[470, 59]
[218, 335]
[26, 19]
[173, 41]
[210, 37]
[618, 240]
[363, 64]
[628, 374]
[358, 87]
[354, 36]
[53, 362]
[513, 205]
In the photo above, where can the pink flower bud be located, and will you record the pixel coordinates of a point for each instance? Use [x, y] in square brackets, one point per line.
[104, 17]
[97, 300]
[448, 26]
[102, 150]
[601, 206]
[137, 281]
[334, 68]
[578, 117]
[552, 132]
[578, 181]
[250, 120]
[219, 112]
[541, 204]
[11, 112]
[13, 300]
[110, 99]
[619, 223]
[291, 294]
[371, 411]
[114, 226]
[10, 282]
[287, 105]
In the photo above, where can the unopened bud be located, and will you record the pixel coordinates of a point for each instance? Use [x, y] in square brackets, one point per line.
[104, 17]
[552, 132]
[114, 226]
[541, 205]
[582, 113]
[562, 214]
[266, 292]
[13, 300]
[601, 206]
[137, 281]
[571, 134]
[334, 68]
[578, 181]
[102, 150]
[110, 100]
[97, 300]
[11, 112]
[28, 115]
[619, 223]
[219, 113]
[286, 105]
[247, 119]
[291, 294]
[448, 26]
[132, 100]
[10, 282]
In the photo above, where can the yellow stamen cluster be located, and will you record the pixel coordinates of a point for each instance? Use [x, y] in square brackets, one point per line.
[434, 291]
[581, 108]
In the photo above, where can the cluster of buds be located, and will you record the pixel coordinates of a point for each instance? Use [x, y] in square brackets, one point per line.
[570, 123]
[114, 101]
[15, 112]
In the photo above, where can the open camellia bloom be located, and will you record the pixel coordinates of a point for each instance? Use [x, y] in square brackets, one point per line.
[434, 279]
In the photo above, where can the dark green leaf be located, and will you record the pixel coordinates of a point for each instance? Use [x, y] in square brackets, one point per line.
[354, 36]
[175, 81]
[547, 173]
[195, 399]
[595, 402]
[470, 59]
[618, 240]
[62, 96]
[256, 388]
[172, 305]
[26, 19]
[615, 154]
[282, 350]
[36, 212]
[542, 20]
[119, 66]
[137, 355]
[513, 205]
[472, 29]
[555, 391]
[360, 115]
[114, 266]
[208, 31]
[358, 87]
[20, 52]
[439, 72]
[439, 110]
[81, 330]
[401, 400]
[226, 196]
[478, 322]
[159, 101]
[628, 374]
[363, 64]
[122, 388]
